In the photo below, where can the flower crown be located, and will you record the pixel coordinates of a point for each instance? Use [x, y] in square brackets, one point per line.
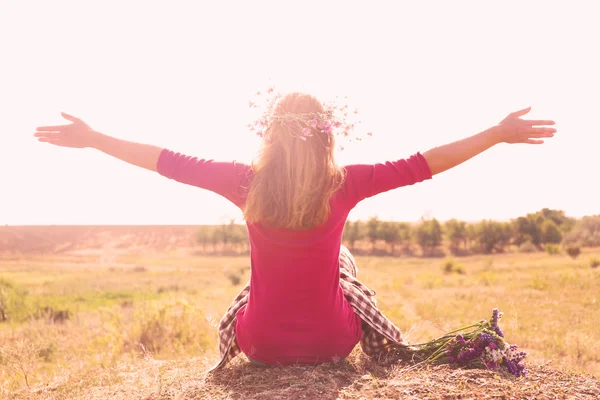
[334, 120]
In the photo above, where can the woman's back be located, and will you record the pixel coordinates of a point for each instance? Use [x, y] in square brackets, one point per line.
[296, 311]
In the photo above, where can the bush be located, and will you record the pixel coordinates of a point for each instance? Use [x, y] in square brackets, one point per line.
[573, 251]
[586, 232]
[527, 247]
[552, 249]
[234, 278]
[452, 267]
[167, 329]
[20, 358]
[13, 305]
[595, 262]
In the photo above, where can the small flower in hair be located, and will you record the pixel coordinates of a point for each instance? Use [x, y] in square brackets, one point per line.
[325, 126]
[306, 133]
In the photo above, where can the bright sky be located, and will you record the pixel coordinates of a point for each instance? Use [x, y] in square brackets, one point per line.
[179, 74]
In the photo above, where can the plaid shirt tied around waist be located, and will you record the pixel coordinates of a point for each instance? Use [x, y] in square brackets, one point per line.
[380, 339]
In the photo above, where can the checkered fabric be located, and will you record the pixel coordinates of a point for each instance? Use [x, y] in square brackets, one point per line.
[380, 339]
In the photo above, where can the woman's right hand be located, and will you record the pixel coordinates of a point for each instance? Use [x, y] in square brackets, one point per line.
[78, 134]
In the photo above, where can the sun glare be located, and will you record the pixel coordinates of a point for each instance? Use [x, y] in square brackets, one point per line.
[180, 77]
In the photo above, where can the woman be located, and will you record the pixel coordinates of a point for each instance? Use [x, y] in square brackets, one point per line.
[305, 304]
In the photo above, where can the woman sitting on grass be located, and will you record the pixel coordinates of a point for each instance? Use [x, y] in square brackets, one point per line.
[303, 303]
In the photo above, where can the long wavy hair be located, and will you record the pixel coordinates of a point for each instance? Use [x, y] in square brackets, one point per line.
[293, 179]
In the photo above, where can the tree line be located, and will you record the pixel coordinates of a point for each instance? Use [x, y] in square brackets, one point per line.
[543, 230]
[229, 237]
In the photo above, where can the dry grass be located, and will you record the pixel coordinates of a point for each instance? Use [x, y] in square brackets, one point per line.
[119, 299]
[354, 378]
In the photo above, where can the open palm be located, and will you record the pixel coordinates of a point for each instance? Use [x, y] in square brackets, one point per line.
[78, 134]
[517, 130]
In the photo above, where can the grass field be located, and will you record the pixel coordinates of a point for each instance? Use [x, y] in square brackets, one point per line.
[72, 316]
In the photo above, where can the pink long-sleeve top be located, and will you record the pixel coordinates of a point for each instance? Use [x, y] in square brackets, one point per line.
[296, 312]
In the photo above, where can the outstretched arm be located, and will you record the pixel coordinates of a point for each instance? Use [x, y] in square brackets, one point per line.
[225, 178]
[512, 129]
[78, 134]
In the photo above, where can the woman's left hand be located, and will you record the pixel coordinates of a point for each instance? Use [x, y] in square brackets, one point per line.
[513, 129]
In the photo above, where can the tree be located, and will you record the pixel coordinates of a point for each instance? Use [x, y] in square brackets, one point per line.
[559, 218]
[471, 235]
[203, 237]
[352, 233]
[373, 231]
[406, 233]
[456, 232]
[531, 227]
[429, 235]
[216, 237]
[390, 232]
[238, 236]
[226, 234]
[551, 232]
[493, 235]
[528, 229]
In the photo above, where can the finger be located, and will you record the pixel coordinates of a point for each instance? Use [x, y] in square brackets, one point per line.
[55, 141]
[51, 128]
[540, 130]
[69, 117]
[533, 141]
[520, 113]
[535, 122]
[48, 134]
[540, 135]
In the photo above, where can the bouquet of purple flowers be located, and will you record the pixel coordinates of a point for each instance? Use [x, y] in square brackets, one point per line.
[480, 345]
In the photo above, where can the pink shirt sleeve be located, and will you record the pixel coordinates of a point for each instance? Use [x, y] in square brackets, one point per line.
[229, 179]
[367, 180]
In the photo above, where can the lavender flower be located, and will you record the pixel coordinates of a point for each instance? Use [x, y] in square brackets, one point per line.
[499, 331]
[479, 345]
[496, 315]
[486, 337]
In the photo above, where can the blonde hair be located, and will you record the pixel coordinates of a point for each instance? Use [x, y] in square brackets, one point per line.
[294, 179]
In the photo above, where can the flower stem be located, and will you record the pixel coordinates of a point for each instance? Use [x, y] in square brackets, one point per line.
[448, 335]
